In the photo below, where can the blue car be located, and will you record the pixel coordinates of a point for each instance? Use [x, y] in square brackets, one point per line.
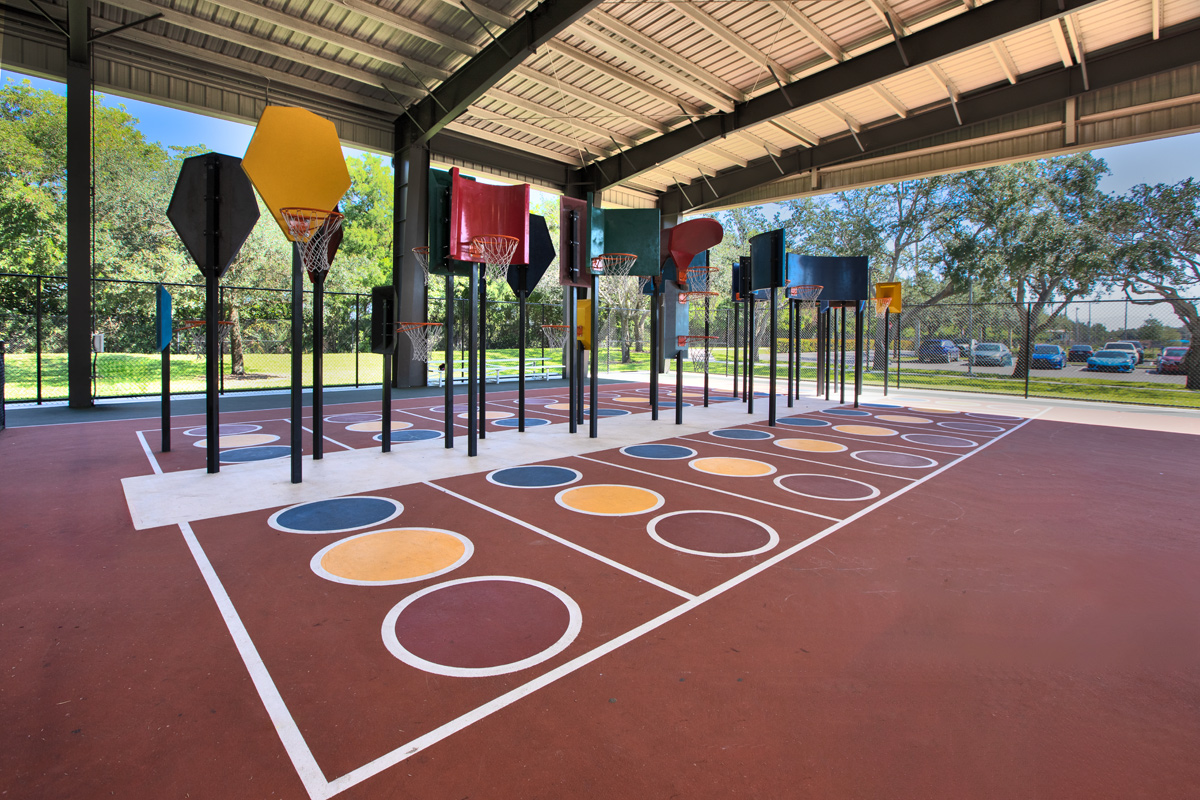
[1110, 361]
[1049, 356]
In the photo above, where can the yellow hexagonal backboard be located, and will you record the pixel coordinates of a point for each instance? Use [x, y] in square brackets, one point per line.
[295, 160]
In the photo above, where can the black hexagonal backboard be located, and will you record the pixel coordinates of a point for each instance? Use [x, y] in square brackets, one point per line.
[541, 256]
[237, 209]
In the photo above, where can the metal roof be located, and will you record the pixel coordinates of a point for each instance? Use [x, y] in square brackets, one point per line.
[689, 104]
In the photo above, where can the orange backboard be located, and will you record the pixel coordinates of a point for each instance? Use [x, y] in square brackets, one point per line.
[891, 290]
[295, 160]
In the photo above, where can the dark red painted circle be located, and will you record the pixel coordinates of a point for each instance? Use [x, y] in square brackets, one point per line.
[712, 533]
[828, 486]
[482, 624]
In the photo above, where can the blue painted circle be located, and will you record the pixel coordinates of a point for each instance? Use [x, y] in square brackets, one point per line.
[512, 422]
[881, 405]
[247, 454]
[337, 515]
[226, 429]
[609, 412]
[846, 412]
[536, 476]
[803, 422]
[721, 399]
[740, 433]
[671, 404]
[410, 435]
[658, 451]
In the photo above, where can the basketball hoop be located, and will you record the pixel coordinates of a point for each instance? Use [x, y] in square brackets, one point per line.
[197, 337]
[806, 294]
[698, 278]
[617, 264]
[699, 356]
[423, 335]
[422, 256]
[311, 229]
[496, 251]
[695, 297]
[643, 282]
[556, 335]
[882, 304]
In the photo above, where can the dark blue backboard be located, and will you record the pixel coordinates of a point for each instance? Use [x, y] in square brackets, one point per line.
[162, 317]
[768, 257]
[845, 278]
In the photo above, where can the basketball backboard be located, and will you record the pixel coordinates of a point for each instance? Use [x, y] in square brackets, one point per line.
[237, 211]
[541, 256]
[295, 160]
[485, 209]
[628, 230]
[768, 260]
[890, 289]
[845, 278]
[439, 226]
[162, 317]
[573, 247]
[687, 239]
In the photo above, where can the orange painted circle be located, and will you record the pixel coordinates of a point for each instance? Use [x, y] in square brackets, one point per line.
[395, 555]
[732, 467]
[904, 418]
[375, 426]
[240, 440]
[934, 410]
[493, 414]
[811, 445]
[559, 406]
[639, 400]
[864, 430]
[609, 500]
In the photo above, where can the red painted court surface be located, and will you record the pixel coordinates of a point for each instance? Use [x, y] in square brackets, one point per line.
[926, 597]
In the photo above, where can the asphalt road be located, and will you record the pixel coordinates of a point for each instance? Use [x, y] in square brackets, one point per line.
[1144, 372]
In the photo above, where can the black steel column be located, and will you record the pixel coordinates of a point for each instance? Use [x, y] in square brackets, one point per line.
[448, 375]
[594, 389]
[791, 348]
[656, 346]
[678, 387]
[887, 352]
[707, 353]
[736, 388]
[410, 228]
[751, 352]
[318, 362]
[571, 354]
[473, 363]
[79, 207]
[774, 360]
[385, 417]
[830, 316]
[858, 351]
[482, 355]
[212, 210]
[842, 363]
[521, 271]
[297, 364]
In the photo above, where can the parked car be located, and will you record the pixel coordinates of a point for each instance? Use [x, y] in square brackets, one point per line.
[1170, 361]
[937, 350]
[1141, 348]
[1050, 356]
[991, 354]
[1128, 347]
[1111, 361]
[1079, 352]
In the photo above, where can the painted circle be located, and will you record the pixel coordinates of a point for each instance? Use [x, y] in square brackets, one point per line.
[932, 410]
[482, 626]
[846, 412]
[225, 428]
[971, 427]
[938, 440]
[811, 445]
[864, 430]
[995, 417]
[904, 419]
[490, 415]
[350, 419]
[643, 401]
[375, 426]
[890, 458]
[538, 401]
[336, 515]
[530, 422]
[880, 405]
[457, 407]
[803, 422]
[826, 487]
[559, 406]
[609, 412]
[732, 467]
[660, 452]
[696, 533]
[688, 394]
[742, 433]
[240, 440]
[392, 556]
[665, 403]
[245, 455]
[411, 435]
[610, 500]
[534, 476]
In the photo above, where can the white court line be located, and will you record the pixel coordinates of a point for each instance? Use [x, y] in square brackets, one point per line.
[579, 548]
[289, 733]
[849, 437]
[795, 458]
[436, 735]
[431, 419]
[149, 453]
[710, 489]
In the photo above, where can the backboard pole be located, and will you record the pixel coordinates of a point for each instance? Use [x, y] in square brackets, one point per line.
[571, 354]
[212, 416]
[166, 398]
[318, 368]
[887, 352]
[791, 350]
[472, 361]
[521, 315]
[842, 363]
[706, 340]
[448, 377]
[751, 352]
[297, 409]
[593, 424]
[858, 350]
[678, 386]
[483, 304]
[656, 347]
[774, 360]
[736, 388]
[385, 417]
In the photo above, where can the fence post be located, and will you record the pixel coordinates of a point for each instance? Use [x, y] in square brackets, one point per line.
[37, 311]
[1025, 354]
[1, 384]
[356, 297]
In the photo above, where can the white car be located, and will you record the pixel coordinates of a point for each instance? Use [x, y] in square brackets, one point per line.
[1127, 347]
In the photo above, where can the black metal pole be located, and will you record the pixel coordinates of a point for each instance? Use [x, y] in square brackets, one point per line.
[221, 346]
[656, 347]
[448, 376]
[791, 350]
[521, 349]
[166, 397]
[773, 360]
[297, 442]
[318, 362]
[751, 352]
[830, 316]
[356, 338]
[678, 387]
[887, 349]
[707, 353]
[594, 390]
[385, 422]
[736, 387]
[842, 359]
[858, 351]
[212, 421]
[572, 356]
[482, 355]
[37, 310]
[473, 362]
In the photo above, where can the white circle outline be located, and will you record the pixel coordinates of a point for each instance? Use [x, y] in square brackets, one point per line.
[655, 458]
[661, 500]
[234, 450]
[932, 462]
[993, 417]
[333, 418]
[911, 419]
[982, 427]
[969, 442]
[890, 432]
[845, 412]
[816, 422]
[692, 464]
[315, 563]
[270, 438]
[617, 412]
[251, 426]
[578, 477]
[495, 415]
[872, 496]
[780, 443]
[274, 522]
[772, 536]
[535, 422]
[764, 437]
[392, 642]
[403, 425]
[440, 435]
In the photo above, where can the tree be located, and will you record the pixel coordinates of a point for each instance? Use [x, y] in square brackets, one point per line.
[1157, 237]
[1037, 229]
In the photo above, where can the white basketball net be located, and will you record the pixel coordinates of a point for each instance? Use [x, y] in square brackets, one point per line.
[699, 357]
[496, 253]
[882, 304]
[311, 230]
[422, 256]
[556, 335]
[424, 337]
[617, 264]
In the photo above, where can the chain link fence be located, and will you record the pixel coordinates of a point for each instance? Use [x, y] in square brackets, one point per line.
[928, 346]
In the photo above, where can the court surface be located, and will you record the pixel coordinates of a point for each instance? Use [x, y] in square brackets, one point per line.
[926, 596]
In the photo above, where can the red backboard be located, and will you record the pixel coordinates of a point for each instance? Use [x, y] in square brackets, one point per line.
[687, 239]
[482, 209]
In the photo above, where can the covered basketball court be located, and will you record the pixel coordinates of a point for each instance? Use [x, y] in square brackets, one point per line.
[929, 595]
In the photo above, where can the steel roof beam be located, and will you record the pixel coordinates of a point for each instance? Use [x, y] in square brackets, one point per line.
[473, 79]
[1055, 86]
[976, 27]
